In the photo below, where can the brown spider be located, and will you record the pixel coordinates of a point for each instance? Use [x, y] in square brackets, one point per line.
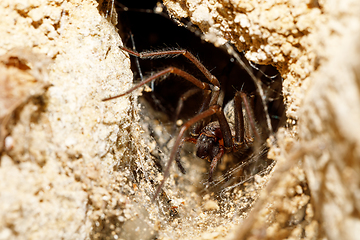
[228, 133]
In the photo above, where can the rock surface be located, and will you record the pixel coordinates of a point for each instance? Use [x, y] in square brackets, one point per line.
[75, 167]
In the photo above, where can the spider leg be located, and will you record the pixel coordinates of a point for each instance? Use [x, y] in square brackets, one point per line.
[239, 138]
[200, 124]
[181, 101]
[214, 162]
[177, 158]
[166, 53]
[212, 110]
[174, 70]
[177, 52]
[250, 115]
[225, 130]
[239, 121]
[179, 107]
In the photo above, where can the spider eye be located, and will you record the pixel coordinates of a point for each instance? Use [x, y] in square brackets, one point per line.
[204, 146]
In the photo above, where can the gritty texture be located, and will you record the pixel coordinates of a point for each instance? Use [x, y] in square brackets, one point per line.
[75, 167]
[60, 144]
[330, 116]
[281, 33]
[315, 46]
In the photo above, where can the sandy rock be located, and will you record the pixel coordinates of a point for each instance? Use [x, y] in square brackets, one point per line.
[75, 167]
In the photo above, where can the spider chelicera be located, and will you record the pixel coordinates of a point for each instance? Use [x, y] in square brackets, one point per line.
[232, 130]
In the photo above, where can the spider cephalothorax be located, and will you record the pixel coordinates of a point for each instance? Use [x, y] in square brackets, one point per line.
[210, 141]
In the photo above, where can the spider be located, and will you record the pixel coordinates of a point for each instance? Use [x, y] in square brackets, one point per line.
[233, 128]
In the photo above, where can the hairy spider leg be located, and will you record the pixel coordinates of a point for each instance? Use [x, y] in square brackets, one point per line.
[225, 130]
[209, 99]
[239, 139]
[239, 121]
[176, 52]
[205, 86]
[214, 162]
[180, 103]
[256, 81]
[211, 111]
[179, 107]
[173, 70]
[250, 115]
[195, 131]
[177, 158]
[200, 124]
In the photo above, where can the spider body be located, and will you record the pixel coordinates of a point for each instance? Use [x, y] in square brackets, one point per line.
[215, 131]
[209, 142]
